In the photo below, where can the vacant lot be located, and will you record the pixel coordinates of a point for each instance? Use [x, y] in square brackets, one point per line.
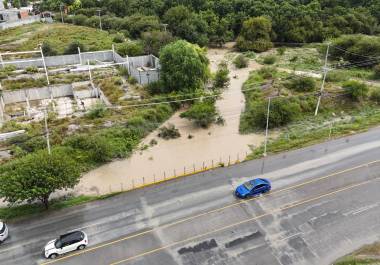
[28, 37]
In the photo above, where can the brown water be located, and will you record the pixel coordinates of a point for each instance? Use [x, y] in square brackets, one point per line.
[173, 157]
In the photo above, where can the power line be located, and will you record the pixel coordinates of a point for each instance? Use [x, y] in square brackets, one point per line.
[353, 53]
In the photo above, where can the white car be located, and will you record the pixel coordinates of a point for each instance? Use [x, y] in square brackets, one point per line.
[3, 231]
[76, 240]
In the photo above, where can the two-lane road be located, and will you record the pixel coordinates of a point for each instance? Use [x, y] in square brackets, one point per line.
[325, 202]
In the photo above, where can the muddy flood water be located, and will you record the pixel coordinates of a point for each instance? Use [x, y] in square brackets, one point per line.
[174, 157]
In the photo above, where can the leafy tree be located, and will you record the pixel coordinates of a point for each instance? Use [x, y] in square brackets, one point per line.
[221, 77]
[184, 66]
[202, 113]
[118, 7]
[36, 176]
[356, 90]
[137, 24]
[153, 41]
[73, 48]
[183, 23]
[255, 35]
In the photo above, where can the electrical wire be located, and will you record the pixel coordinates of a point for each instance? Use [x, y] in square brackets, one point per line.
[353, 53]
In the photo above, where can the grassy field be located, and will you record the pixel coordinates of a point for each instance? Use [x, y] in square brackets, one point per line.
[367, 255]
[14, 212]
[28, 37]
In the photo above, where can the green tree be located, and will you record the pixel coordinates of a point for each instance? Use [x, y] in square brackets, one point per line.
[202, 113]
[255, 35]
[153, 41]
[137, 24]
[184, 23]
[184, 67]
[356, 90]
[221, 77]
[36, 176]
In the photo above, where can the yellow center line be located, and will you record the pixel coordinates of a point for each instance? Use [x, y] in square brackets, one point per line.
[286, 207]
[209, 212]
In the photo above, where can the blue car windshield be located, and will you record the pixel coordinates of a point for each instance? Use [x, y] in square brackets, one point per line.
[248, 185]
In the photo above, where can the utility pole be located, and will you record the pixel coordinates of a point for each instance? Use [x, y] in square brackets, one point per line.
[61, 7]
[100, 19]
[267, 128]
[47, 132]
[44, 63]
[325, 70]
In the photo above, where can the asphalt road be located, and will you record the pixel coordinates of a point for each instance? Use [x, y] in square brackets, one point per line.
[324, 203]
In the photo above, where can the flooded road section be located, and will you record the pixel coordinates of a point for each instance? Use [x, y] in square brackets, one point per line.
[205, 148]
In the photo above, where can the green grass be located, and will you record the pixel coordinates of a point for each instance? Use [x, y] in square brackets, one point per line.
[300, 59]
[15, 212]
[28, 37]
[364, 256]
[306, 134]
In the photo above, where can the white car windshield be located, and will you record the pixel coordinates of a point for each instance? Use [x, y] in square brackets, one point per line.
[58, 244]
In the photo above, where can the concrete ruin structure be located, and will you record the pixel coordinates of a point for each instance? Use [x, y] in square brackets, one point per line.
[67, 99]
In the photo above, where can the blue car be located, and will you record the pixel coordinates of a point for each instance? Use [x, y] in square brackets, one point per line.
[252, 188]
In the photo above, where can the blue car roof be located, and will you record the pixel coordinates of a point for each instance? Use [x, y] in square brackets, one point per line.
[256, 182]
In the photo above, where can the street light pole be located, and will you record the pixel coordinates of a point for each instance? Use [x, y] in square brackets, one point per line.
[267, 128]
[325, 70]
[61, 7]
[100, 19]
[47, 132]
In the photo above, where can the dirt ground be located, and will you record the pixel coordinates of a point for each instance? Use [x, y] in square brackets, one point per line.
[173, 157]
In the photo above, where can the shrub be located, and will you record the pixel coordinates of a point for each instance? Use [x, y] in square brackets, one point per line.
[9, 68]
[131, 48]
[118, 38]
[202, 113]
[376, 71]
[221, 78]
[95, 146]
[301, 83]
[282, 111]
[79, 20]
[356, 90]
[154, 87]
[47, 49]
[240, 61]
[169, 132]
[132, 80]
[97, 111]
[72, 48]
[269, 59]
[267, 72]
[31, 69]
[281, 51]
[336, 76]
[375, 95]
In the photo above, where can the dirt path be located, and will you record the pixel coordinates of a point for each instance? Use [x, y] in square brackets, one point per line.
[169, 157]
